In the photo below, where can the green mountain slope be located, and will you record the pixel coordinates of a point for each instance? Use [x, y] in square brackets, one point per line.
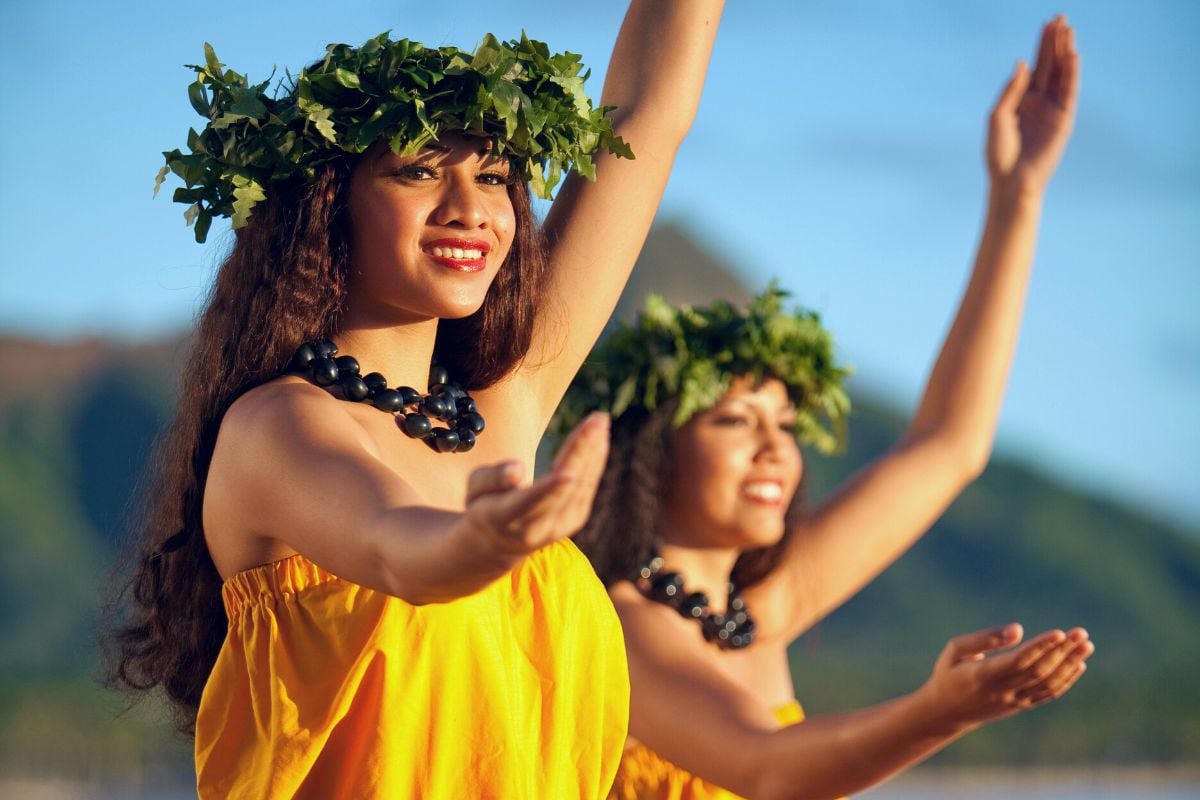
[75, 428]
[1017, 546]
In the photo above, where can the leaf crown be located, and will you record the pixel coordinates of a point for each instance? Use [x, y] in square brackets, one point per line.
[528, 102]
[694, 354]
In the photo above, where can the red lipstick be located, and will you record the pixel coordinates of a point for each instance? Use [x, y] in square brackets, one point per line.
[463, 255]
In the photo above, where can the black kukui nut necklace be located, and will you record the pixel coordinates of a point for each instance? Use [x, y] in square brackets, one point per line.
[447, 401]
[732, 630]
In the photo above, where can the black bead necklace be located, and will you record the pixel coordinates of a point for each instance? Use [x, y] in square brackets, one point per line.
[319, 362]
[732, 630]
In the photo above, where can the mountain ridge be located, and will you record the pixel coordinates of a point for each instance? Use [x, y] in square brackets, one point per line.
[1017, 545]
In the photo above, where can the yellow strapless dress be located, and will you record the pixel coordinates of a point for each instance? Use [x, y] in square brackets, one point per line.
[326, 689]
[645, 775]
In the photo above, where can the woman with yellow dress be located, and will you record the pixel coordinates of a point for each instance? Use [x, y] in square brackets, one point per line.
[348, 587]
[712, 576]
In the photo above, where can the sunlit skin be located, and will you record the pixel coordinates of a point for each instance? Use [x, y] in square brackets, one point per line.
[735, 468]
[402, 207]
[342, 486]
[710, 711]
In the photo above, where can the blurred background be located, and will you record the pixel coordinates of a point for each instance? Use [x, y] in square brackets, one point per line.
[838, 147]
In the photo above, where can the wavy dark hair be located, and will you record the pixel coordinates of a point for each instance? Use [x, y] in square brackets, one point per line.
[283, 283]
[620, 533]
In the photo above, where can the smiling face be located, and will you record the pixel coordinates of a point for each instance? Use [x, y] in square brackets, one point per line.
[735, 469]
[429, 231]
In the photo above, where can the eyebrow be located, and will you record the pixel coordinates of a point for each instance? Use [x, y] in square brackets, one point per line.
[484, 149]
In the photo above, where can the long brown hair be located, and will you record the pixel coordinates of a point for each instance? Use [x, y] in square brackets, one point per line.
[283, 283]
[619, 536]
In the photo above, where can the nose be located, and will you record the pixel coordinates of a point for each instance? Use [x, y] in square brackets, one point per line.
[461, 204]
[775, 443]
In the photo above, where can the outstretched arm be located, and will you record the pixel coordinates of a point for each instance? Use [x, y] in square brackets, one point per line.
[596, 230]
[879, 513]
[331, 496]
[702, 721]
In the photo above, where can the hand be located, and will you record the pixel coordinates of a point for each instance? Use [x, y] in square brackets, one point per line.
[507, 523]
[970, 687]
[1031, 122]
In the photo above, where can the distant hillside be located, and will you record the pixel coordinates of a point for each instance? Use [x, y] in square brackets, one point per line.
[76, 424]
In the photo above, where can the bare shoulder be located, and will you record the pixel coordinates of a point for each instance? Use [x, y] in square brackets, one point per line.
[675, 674]
[656, 634]
[286, 408]
[268, 440]
[776, 601]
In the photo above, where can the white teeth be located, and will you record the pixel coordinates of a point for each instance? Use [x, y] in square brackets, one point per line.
[763, 491]
[456, 252]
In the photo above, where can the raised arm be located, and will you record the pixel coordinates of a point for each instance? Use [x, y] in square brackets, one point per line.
[702, 721]
[878, 514]
[596, 230]
[330, 496]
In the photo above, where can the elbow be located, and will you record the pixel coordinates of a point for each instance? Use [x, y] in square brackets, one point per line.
[777, 787]
[962, 457]
[773, 787]
[770, 790]
[653, 133]
[767, 781]
[391, 578]
[406, 590]
[973, 459]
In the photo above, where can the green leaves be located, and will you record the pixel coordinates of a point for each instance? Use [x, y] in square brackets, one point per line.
[693, 354]
[531, 103]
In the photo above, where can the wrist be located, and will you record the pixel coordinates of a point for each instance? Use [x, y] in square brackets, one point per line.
[1015, 195]
[939, 716]
[484, 553]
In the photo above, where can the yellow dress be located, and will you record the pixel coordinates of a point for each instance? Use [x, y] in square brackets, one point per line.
[326, 689]
[645, 775]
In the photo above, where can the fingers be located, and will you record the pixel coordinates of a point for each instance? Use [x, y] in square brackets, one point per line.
[1011, 96]
[1065, 86]
[1045, 56]
[1046, 667]
[1011, 667]
[584, 465]
[507, 514]
[1057, 671]
[495, 478]
[974, 645]
[584, 446]
[1060, 681]
[520, 520]
[1056, 73]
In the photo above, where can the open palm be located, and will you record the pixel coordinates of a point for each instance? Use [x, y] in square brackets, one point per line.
[1032, 120]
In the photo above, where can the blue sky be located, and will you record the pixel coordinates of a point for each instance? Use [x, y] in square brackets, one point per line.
[838, 147]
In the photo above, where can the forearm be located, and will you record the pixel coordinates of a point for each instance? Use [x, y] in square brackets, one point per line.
[876, 516]
[832, 756]
[962, 398]
[426, 555]
[659, 63]
[595, 230]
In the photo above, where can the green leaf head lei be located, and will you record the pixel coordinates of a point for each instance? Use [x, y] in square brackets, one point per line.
[694, 354]
[528, 102]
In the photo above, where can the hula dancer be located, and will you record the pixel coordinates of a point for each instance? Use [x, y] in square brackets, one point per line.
[713, 578]
[348, 587]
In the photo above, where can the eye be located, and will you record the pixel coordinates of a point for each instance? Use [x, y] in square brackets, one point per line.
[495, 178]
[731, 420]
[415, 172]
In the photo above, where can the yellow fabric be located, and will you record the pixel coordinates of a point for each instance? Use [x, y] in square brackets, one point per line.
[645, 775]
[325, 689]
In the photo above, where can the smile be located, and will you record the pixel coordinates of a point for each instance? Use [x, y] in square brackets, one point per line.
[458, 254]
[766, 492]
